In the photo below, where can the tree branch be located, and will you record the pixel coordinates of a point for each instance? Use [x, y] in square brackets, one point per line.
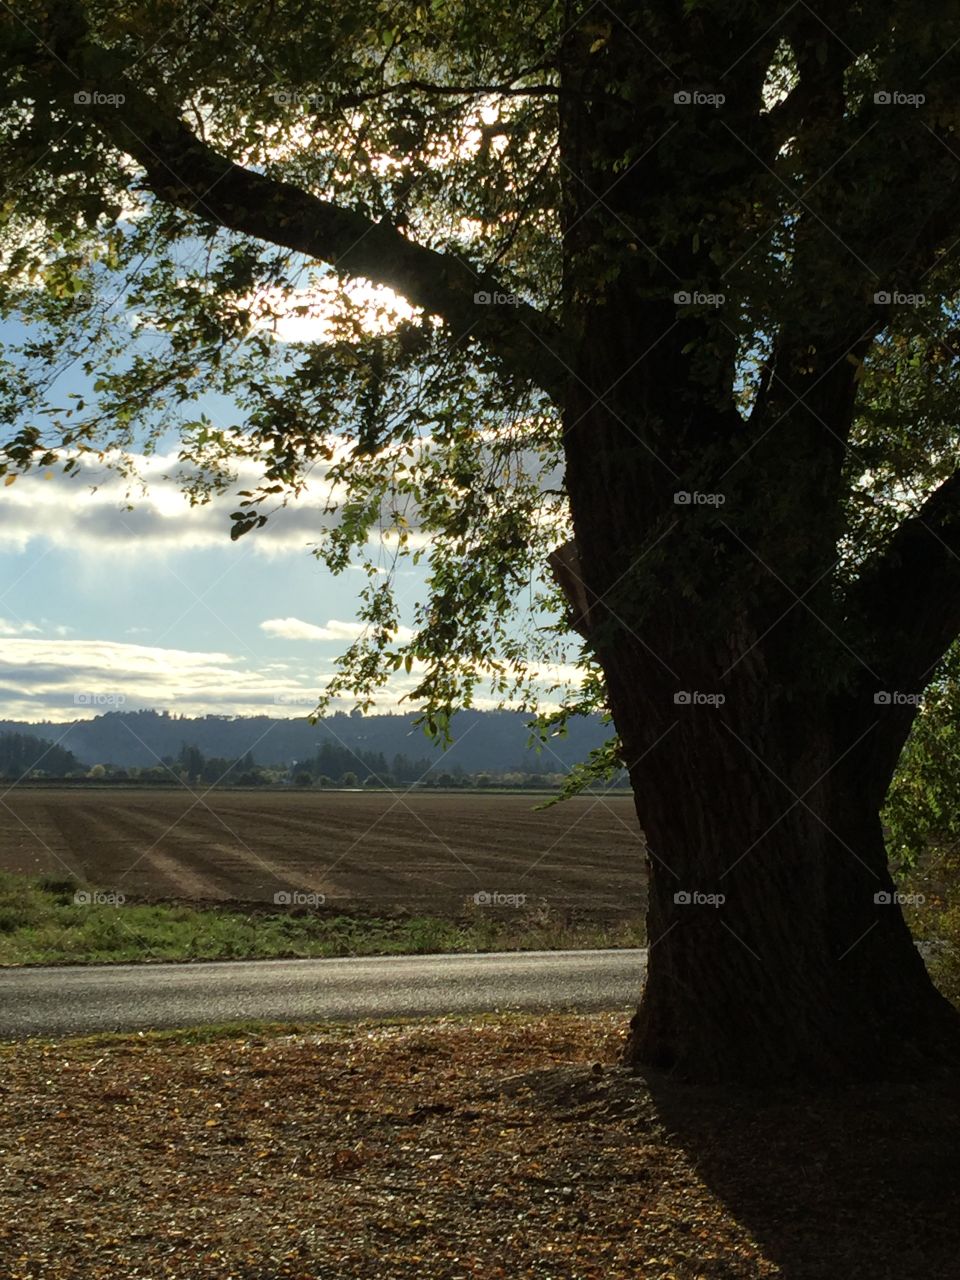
[183, 170]
[508, 89]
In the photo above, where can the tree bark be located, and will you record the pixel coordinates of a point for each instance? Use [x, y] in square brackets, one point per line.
[777, 948]
[795, 962]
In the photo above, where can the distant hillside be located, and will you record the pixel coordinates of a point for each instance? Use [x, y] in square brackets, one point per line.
[483, 740]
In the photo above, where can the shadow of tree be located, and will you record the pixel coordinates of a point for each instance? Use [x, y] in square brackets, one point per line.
[862, 1183]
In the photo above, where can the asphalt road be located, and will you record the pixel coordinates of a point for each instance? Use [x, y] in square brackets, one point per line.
[82, 999]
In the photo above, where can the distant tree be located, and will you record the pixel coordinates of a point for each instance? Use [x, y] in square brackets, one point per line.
[191, 763]
[154, 773]
[21, 754]
[349, 779]
[218, 770]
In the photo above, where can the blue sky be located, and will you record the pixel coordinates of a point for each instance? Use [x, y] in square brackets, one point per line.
[157, 607]
[104, 607]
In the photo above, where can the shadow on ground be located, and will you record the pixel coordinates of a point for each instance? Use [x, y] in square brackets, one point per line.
[862, 1184]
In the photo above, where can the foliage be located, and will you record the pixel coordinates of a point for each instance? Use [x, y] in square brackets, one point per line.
[23, 756]
[41, 923]
[413, 427]
[922, 813]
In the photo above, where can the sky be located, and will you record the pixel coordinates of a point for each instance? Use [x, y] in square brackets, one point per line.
[104, 607]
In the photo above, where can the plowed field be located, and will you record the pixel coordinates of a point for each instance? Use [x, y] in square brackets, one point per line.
[416, 850]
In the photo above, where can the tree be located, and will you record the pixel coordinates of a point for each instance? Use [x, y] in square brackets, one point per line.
[21, 755]
[191, 762]
[699, 258]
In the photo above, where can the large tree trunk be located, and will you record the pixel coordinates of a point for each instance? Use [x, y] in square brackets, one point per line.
[759, 760]
[796, 962]
[742, 692]
[777, 947]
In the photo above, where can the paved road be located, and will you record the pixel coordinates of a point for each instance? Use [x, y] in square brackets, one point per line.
[85, 998]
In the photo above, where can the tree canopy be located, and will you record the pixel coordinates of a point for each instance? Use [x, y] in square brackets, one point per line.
[184, 171]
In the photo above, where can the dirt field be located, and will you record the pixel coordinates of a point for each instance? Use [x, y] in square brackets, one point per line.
[425, 851]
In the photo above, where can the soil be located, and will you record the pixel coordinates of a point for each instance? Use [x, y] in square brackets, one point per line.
[424, 852]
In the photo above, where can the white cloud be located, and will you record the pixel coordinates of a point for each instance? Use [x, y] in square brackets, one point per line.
[89, 511]
[64, 680]
[343, 632]
[61, 680]
[296, 629]
[96, 508]
[18, 628]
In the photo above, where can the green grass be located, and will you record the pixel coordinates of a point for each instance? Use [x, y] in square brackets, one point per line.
[40, 923]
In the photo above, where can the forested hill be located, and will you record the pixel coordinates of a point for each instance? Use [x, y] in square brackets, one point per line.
[483, 740]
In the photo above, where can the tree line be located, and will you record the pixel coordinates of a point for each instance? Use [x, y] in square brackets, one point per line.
[23, 756]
